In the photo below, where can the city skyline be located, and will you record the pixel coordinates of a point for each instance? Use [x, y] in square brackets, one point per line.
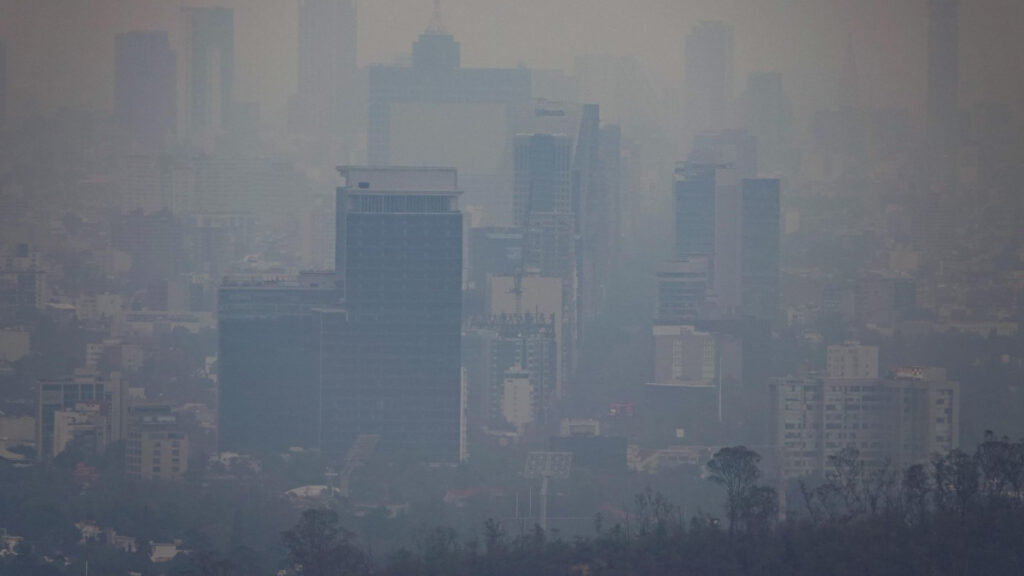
[887, 42]
[334, 286]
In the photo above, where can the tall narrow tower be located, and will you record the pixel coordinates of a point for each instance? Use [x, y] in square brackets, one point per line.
[211, 66]
[708, 76]
[943, 71]
[326, 96]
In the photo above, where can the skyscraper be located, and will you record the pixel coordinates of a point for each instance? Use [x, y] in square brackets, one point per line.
[768, 114]
[268, 381]
[708, 76]
[682, 289]
[3, 83]
[145, 96]
[943, 71]
[211, 66]
[695, 210]
[544, 201]
[327, 67]
[437, 113]
[759, 245]
[391, 360]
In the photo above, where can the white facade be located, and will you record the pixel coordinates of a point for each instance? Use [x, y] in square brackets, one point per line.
[901, 420]
[852, 360]
[517, 401]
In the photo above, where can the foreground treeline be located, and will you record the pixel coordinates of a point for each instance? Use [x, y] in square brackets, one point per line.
[962, 513]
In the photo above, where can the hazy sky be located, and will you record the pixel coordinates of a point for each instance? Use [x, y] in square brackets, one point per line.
[61, 51]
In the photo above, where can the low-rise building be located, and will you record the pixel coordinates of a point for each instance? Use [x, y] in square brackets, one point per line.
[157, 447]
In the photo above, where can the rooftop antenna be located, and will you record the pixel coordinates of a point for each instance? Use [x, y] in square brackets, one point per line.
[436, 24]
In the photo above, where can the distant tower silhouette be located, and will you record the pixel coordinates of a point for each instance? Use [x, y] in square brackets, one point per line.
[436, 22]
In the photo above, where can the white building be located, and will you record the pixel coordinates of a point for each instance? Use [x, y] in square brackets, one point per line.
[903, 419]
[851, 360]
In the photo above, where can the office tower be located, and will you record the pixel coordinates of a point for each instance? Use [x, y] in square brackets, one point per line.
[268, 394]
[156, 446]
[759, 245]
[390, 363]
[437, 113]
[560, 203]
[493, 251]
[684, 356]
[900, 420]
[682, 291]
[695, 210]
[3, 83]
[22, 285]
[327, 69]
[708, 76]
[852, 360]
[211, 72]
[600, 232]
[544, 202]
[521, 356]
[768, 115]
[943, 72]
[145, 96]
[84, 403]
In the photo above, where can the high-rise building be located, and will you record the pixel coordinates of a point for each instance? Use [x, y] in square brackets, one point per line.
[708, 76]
[901, 420]
[544, 202]
[493, 251]
[760, 250]
[852, 360]
[211, 74]
[146, 92]
[601, 210]
[437, 113]
[391, 360]
[768, 115]
[523, 345]
[943, 71]
[563, 202]
[327, 69]
[99, 401]
[682, 291]
[684, 356]
[268, 387]
[3, 83]
[695, 210]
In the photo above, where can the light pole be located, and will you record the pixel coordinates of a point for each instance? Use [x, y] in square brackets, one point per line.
[547, 465]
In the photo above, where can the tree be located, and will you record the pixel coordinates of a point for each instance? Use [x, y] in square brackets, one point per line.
[736, 469]
[319, 546]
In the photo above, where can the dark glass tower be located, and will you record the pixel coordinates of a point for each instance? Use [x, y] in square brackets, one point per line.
[145, 95]
[759, 265]
[391, 360]
[268, 379]
[212, 66]
[695, 210]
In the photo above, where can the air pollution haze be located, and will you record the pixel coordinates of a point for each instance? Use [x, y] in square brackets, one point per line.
[342, 287]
